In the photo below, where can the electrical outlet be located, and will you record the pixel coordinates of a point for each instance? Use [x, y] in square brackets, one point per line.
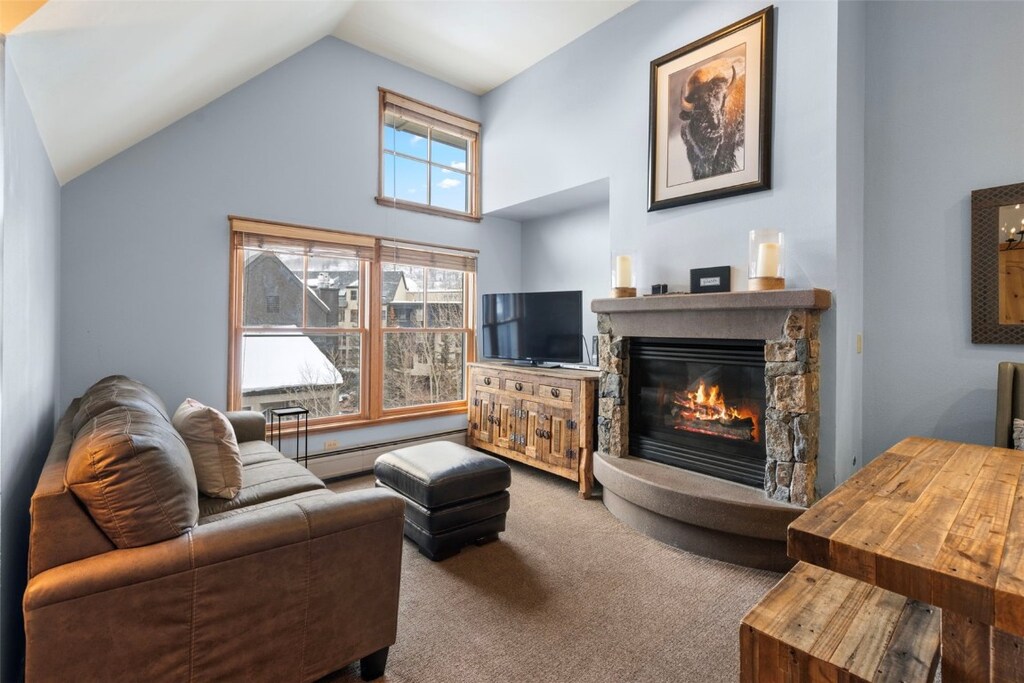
[860, 344]
[330, 445]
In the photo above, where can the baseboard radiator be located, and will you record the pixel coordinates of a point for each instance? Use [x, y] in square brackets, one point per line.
[359, 459]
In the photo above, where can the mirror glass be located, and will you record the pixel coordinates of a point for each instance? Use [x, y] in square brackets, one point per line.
[1011, 264]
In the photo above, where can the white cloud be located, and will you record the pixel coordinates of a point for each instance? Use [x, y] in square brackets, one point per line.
[449, 183]
[461, 165]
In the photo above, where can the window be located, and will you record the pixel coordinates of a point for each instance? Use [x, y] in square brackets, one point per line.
[323, 347]
[429, 159]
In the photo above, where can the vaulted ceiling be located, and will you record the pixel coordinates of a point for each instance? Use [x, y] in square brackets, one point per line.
[101, 75]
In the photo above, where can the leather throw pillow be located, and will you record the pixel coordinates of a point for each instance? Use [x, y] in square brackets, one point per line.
[114, 391]
[132, 472]
[214, 449]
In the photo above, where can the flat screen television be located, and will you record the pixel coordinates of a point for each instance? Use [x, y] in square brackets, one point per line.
[533, 327]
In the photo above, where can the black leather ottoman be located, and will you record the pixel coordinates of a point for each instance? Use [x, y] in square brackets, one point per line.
[453, 495]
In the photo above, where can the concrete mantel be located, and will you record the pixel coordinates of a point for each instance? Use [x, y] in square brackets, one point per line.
[729, 315]
[788, 299]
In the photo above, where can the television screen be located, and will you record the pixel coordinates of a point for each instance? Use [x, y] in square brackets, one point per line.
[542, 327]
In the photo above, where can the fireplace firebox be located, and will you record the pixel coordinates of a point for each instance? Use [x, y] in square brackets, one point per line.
[700, 405]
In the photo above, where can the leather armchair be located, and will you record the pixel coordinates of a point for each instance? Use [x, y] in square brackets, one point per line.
[1009, 401]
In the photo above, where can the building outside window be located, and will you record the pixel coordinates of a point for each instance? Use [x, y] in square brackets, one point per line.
[322, 347]
[430, 159]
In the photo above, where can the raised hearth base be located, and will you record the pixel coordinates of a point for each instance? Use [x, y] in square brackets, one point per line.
[697, 513]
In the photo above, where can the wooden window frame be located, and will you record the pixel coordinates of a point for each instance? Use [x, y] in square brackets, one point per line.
[433, 118]
[371, 330]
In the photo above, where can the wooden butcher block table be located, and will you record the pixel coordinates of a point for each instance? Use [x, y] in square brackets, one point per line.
[940, 522]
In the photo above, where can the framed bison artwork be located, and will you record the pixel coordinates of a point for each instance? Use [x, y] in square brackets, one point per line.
[711, 116]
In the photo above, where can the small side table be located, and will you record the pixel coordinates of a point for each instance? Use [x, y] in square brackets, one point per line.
[301, 416]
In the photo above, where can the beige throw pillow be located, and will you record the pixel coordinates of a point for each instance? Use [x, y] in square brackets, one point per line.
[211, 442]
[1018, 434]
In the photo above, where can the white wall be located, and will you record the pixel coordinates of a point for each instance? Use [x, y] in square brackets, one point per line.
[849, 292]
[569, 251]
[28, 343]
[944, 116]
[147, 292]
[582, 114]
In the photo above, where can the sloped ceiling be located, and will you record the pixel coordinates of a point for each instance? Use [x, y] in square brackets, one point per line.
[101, 75]
[475, 46]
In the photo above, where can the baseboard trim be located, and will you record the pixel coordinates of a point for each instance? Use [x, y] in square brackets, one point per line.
[347, 462]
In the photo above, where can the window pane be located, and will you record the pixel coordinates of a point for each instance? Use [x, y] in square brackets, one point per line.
[332, 290]
[388, 162]
[410, 183]
[449, 189]
[421, 368]
[445, 306]
[272, 288]
[401, 295]
[448, 149]
[318, 372]
[410, 138]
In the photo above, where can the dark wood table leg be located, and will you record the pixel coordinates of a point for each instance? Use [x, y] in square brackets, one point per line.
[966, 649]
[1007, 656]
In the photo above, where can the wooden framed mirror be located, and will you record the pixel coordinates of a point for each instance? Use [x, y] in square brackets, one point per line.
[997, 265]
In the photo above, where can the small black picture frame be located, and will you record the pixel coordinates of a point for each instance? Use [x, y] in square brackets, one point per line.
[710, 280]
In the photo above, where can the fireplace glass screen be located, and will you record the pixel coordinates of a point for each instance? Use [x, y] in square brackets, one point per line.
[699, 405]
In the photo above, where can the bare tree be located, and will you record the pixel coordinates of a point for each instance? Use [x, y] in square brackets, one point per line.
[326, 398]
[426, 366]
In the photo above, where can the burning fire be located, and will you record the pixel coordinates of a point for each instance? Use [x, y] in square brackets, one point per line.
[707, 405]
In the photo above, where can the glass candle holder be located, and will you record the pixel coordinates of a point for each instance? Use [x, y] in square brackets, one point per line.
[766, 259]
[623, 269]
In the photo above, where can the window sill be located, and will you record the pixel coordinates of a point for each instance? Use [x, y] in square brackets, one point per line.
[330, 425]
[423, 208]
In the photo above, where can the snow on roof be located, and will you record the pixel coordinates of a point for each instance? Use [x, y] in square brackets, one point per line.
[285, 361]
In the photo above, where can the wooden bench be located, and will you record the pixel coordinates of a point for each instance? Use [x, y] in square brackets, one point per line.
[817, 625]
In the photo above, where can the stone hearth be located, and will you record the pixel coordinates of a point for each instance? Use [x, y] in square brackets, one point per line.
[695, 511]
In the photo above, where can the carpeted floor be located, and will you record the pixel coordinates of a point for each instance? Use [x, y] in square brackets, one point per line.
[568, 594]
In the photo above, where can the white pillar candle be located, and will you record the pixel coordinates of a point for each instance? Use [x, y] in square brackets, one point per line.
[623, 271]
[768, 259]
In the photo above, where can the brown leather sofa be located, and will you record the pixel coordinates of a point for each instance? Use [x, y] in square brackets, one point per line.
[287, 581]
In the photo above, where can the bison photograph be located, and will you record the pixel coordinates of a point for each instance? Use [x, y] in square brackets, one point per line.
[711, 115]
[706, 134]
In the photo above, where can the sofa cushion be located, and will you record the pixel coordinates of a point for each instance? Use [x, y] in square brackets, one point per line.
[255, 452]
[263, 481]
[133, 473]
[111, 392]
[211, 443]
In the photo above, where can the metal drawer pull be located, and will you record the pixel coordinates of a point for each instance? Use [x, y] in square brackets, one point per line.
[487, 381]
[555, 392]
[543, 433]
[519, 386]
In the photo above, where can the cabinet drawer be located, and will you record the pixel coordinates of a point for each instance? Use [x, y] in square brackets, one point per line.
[491, 381]
[519, 387]
[556, 393]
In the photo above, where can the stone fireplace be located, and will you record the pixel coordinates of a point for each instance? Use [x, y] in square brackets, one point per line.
[715, 393]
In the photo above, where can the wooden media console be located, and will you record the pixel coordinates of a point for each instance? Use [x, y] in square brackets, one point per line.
[543, 417]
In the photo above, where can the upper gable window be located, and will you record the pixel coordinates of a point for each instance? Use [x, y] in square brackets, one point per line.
[430, 159]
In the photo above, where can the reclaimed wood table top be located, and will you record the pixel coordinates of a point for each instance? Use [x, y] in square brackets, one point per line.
[938, 521]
